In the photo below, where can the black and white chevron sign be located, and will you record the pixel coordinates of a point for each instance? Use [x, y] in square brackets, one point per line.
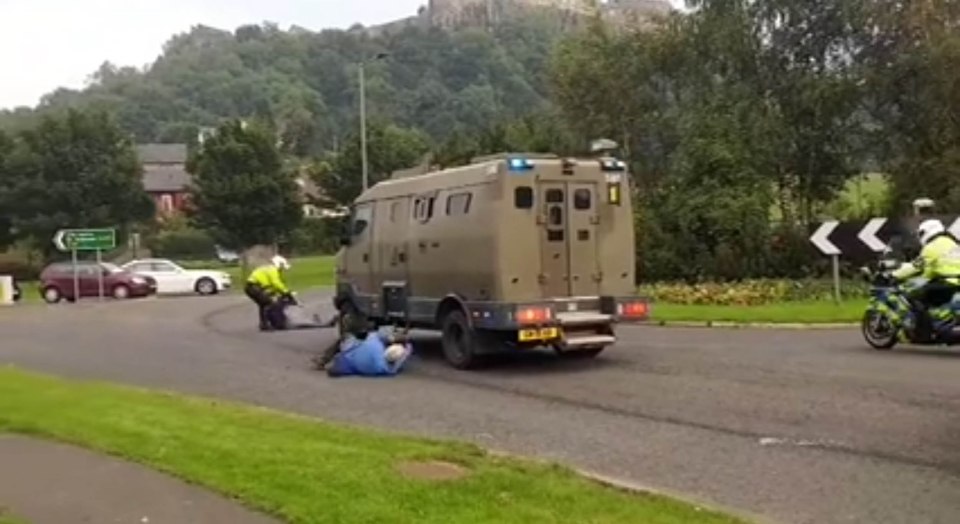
[862, 240]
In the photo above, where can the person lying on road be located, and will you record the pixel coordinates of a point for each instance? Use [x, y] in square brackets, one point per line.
[367, 352]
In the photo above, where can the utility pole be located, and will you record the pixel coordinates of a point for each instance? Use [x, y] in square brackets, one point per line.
[363, 125]
[363, 119]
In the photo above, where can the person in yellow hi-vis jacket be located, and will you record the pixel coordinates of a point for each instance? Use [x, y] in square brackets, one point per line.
[939, 267]
[265, 286]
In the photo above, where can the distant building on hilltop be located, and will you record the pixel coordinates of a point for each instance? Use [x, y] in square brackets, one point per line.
[451, 14]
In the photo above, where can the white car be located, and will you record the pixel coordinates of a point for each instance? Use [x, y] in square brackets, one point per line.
[173, 279]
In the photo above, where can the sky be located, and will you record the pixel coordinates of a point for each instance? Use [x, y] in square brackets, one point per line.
[45, 44]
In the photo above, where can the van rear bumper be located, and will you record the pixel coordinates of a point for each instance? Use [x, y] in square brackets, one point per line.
[568, 313]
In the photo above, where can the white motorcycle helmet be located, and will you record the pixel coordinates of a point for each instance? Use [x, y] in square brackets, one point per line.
[929, 229]
[395, 352]
[280, 263]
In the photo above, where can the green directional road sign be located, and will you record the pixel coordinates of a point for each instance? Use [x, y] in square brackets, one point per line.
[85, 239]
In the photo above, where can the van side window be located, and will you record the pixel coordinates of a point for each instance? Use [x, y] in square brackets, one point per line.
[458, 204]
[582, 199]
[362, 216]
[423, 208]
[523, 197]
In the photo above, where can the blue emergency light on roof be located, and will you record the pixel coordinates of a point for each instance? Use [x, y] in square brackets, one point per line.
[520, 164]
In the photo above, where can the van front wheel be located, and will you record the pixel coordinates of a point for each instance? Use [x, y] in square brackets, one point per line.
[459, 341]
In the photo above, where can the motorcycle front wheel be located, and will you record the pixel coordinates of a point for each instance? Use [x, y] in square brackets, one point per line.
[879, 331]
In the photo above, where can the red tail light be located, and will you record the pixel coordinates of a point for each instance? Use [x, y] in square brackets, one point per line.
[533, 315]
[634, 309]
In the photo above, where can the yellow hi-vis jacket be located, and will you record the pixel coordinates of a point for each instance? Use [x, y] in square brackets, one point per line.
[938, 259]
[268, 277]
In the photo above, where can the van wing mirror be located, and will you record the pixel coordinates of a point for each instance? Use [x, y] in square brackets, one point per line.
[345, 240]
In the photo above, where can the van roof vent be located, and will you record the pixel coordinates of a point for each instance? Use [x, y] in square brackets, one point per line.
[504, 156]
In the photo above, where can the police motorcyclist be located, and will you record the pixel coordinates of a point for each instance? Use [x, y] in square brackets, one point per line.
[939, 265]
[265, 286]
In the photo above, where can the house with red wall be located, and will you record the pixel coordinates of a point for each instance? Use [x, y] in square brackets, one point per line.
[165, 176]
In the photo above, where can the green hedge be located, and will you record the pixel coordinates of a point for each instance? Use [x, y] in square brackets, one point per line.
[19, 266]
[186, 243]
[316, 236]
[751, 292]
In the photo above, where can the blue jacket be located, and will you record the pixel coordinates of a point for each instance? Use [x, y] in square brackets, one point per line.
[365, 357]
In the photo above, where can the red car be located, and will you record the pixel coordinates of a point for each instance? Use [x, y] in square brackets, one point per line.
[56, 282]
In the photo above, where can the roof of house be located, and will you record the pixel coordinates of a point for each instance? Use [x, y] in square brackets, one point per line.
[308, 187]
[165, 179]
[162, 153]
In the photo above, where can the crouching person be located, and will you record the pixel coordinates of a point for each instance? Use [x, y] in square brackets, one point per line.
[368, 352]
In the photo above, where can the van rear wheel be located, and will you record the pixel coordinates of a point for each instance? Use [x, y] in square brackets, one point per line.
[459, 341]
[346, 310]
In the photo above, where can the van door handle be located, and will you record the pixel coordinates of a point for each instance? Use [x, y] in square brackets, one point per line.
[423, 245]
[403, 257]
[435, 244]
[366, 257]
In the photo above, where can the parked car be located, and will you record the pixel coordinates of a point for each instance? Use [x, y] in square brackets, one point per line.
[56, 282]
[227, 256]
[174, 279]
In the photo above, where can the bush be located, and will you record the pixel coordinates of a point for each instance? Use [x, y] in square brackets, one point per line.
[182, 243]
[750, 292]
[19, 266]
[319, 236]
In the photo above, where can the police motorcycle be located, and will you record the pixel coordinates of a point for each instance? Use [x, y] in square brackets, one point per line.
[288, 313]
[892, 317]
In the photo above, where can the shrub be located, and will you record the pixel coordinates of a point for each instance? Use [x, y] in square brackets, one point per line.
[182, 243]
[750, 292]
[19, 266]
[319, 236]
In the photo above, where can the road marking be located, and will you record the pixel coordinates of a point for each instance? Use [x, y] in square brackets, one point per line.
[800, 443]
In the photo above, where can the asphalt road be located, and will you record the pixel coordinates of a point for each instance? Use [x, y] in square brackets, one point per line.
[787, 426]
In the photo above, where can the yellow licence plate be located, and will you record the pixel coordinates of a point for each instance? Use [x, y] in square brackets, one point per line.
[527, 335]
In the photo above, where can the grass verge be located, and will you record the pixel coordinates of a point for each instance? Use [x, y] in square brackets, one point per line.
[6, 518]
[303, 470]
[305, 273]
[780, 313]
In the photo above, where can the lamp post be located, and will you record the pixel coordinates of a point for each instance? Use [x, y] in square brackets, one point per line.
[363, 119]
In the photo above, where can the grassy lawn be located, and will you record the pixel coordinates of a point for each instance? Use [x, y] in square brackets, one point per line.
[305, 273]
[303, 470]
[6, 518]
[781, 313]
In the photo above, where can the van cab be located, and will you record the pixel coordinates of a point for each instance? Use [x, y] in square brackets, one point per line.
[510, 252]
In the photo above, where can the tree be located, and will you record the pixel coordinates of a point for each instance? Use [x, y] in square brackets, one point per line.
[911, 52]
[306, 82]
[6, 182]
[74, 169]
[240, 192]
[389, 148]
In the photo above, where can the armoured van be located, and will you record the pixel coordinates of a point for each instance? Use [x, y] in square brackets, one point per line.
[512, 251]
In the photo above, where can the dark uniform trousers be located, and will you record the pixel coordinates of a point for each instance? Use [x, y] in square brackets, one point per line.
[261, 298]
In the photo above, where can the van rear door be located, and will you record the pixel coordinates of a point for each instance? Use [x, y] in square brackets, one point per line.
[568, 242]
[392, 256]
